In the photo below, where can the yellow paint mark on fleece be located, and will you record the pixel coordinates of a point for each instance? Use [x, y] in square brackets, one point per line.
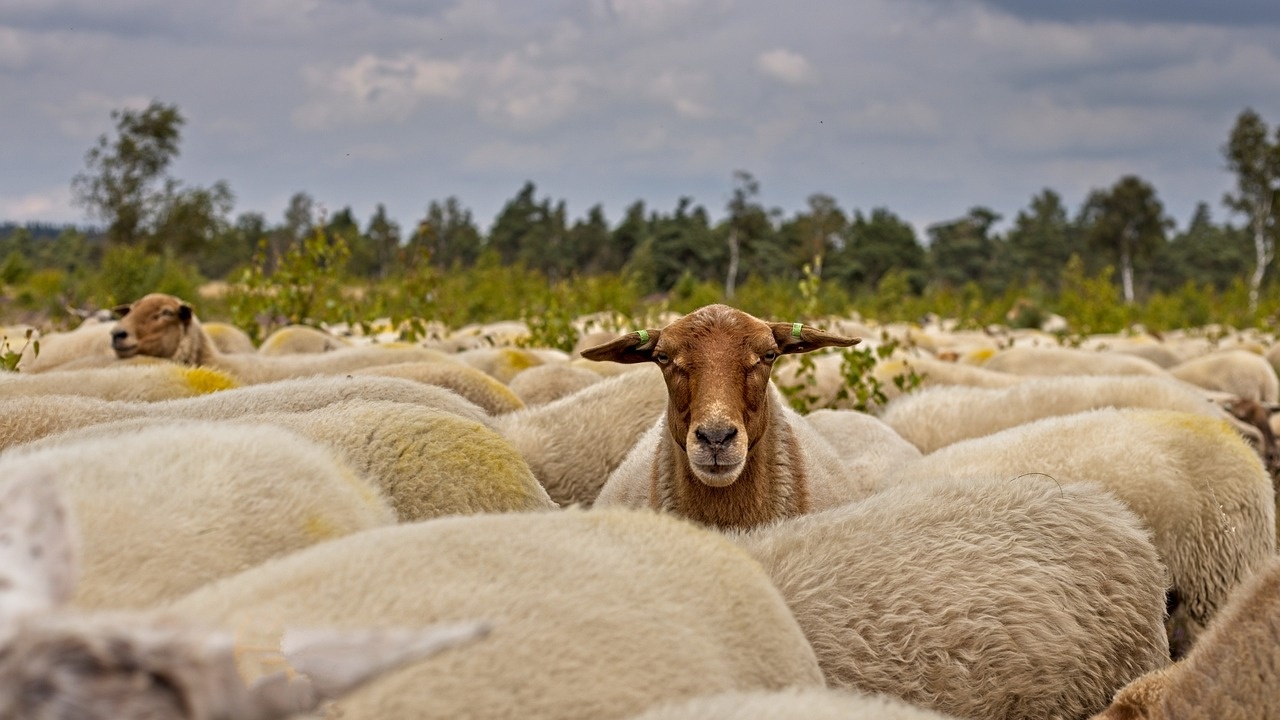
[1212, 429]
[979, 356]
[205, 380]
[519, 359]
[318, 528]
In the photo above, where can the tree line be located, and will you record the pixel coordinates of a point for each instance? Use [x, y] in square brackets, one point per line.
[145, 213]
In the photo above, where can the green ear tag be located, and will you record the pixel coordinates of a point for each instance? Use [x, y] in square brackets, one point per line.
[795, 330]
[644, 337]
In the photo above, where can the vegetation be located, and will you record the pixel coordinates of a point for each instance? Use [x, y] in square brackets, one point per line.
[1115, 261]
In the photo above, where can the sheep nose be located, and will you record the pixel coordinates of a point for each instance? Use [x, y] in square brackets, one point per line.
[118, 335]
[716, 437]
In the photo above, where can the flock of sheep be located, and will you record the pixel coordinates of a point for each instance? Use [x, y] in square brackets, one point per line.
[194, 527]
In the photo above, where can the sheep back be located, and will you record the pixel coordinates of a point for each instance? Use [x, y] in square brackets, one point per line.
[595, 614]
[807, 703]
[163, 508]
[475, 385]
[143, 381]
[1193, 480]
[978, 598]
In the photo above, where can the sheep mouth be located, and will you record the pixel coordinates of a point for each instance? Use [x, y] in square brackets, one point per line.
[125, 352]
[717, 474]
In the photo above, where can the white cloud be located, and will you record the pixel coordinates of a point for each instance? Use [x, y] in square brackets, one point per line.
[87, 114]
[14, 49]
[374, 90]
[785, 66]
[51, 205]
[506, 157]
[686, 93]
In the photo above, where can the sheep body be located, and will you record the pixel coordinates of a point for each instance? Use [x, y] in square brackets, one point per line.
[166, 508]
[228, 338]
[596, 614]
[472, 384]
[574, 443]
[141, 382]
[1231, 674]
[979, 598]
[426, 462]
[300, 339]
[165, 327]
[867, 446]
[1069, 361]
[34, 417]
[935, 417]
[1238, 372]
[91, 338]
[807, 703]
[1199, 487]
[548, 383]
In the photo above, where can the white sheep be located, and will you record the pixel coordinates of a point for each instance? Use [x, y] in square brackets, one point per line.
[32, 417]
[1233, 673]
[163, 326]
[139, 382]
[1069, 361]
[729, 451]
[228, 338]
[596, 614]
[935, 417]
[987, 597]
[868, 447]
[1238, 372]
[91, 338]
[471, 383]
[426, 462]
[1199, 487]
[574, 443]
[548, 383]
[57, 664]
[504, 363]
[807, 703]
[166, 507]
[296, 339]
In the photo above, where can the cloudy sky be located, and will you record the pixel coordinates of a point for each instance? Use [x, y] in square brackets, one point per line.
[927, 107]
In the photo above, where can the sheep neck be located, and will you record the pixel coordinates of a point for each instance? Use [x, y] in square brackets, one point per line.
[773, 483]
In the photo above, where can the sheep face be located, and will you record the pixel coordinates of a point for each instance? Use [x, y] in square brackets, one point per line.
[152, 326]
[716, 362]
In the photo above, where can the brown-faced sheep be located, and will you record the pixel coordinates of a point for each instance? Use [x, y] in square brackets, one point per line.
[165, 508]
[1233, 673]
[982, 598]
[728, 451]
[596, 614]
[163, 326]
[61, 665]
[33, 417]
[1197, 485]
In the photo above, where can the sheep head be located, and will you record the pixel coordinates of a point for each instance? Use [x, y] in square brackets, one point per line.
[61, 665]
[154, 325]
[716, 362]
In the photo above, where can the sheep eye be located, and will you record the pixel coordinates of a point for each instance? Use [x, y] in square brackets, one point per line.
[662, 358]
[769, 356]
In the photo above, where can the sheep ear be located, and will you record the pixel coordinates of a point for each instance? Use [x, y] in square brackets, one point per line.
[121, 310]
[800, 338]
[37, 547]
[185, 313]
[634, 347]
[332, 663]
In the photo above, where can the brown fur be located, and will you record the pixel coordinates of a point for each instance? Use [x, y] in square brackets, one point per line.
[733, 458]
[163, 326]
[1255, 414]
